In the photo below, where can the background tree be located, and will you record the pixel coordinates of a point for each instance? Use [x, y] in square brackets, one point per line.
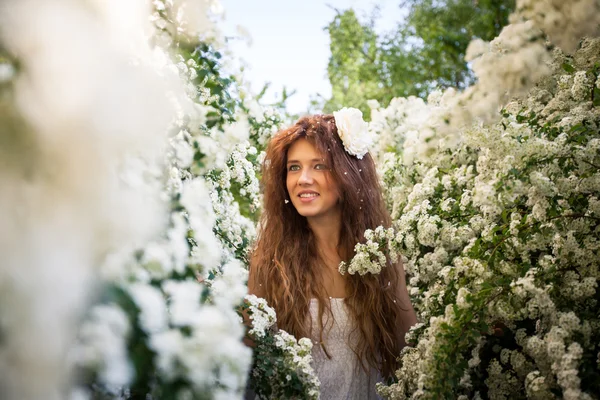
[425, 51]
[353, 68]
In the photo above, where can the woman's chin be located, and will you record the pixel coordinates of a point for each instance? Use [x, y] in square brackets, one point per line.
[307, 210]
[307, 213]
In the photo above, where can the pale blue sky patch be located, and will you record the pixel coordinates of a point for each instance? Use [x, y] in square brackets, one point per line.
[289, 46]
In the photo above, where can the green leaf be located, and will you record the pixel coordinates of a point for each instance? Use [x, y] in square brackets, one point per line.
[568, 67]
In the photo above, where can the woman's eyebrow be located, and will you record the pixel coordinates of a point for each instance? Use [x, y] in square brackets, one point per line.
[314, 159]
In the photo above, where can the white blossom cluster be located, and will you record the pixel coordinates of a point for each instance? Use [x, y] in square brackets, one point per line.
[511, 63]
[263, 317]
[82, 167]
[353, 131]
[190, 18]
[408, 375]
[370, 257]
[235, 229]
[565, 23]
[298, 355]
[190, 341]
[287, 371]
[103, 342]
[244, 172]
[499, 238]
[399, 123]
[196, 196]
[265, 120]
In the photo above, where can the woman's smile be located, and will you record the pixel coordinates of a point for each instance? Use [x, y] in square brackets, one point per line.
[307, 196]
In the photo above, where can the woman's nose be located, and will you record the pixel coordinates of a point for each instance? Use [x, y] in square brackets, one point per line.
[305, 177]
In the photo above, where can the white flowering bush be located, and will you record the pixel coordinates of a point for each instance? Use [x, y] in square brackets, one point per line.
[85, 104]
[281, 364]
[499, 237]
[197, 272]
[371, 256]
[160, 241]
[180, 294]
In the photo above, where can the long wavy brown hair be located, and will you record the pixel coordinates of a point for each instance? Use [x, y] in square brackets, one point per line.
[285, 263]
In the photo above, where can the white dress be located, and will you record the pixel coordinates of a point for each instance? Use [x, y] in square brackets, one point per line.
[342, 377]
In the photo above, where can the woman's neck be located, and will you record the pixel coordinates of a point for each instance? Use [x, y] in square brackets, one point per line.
[326, 229]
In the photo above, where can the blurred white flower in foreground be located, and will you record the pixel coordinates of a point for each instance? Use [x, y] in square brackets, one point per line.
[81, 108]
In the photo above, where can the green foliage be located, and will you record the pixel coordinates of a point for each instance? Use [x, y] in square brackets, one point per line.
[211, 79]
[353, 65]
[442, 31]
[426, 51]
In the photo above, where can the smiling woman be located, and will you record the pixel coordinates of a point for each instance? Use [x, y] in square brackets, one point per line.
[310, 186]
[319, 200]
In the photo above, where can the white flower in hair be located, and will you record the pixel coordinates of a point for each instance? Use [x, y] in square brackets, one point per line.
[353, 130]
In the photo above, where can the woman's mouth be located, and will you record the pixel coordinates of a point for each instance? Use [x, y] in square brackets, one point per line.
[307, 197]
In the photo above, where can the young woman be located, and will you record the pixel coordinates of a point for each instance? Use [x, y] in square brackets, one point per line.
[319, 198]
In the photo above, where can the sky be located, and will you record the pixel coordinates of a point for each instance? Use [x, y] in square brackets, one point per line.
[288, 44]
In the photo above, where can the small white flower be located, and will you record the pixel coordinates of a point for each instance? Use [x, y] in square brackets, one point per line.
[373, 104]
[152, 306]
[353, 131]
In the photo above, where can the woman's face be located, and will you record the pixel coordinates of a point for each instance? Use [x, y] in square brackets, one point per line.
[310, 185]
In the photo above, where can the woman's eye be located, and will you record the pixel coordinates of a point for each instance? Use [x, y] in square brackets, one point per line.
[293, 168]
[321, 166]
